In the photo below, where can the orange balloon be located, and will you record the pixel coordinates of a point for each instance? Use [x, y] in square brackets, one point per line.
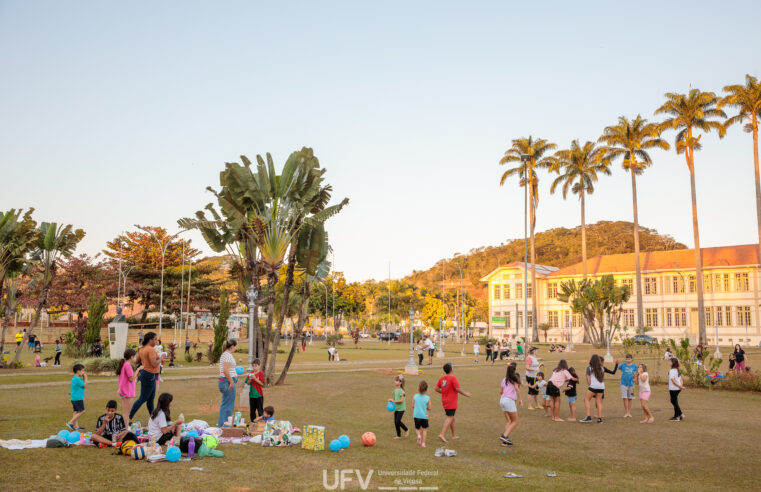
[368, 438]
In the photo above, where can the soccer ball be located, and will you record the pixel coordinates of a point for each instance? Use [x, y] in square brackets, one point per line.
[138, 452]
[368, 439]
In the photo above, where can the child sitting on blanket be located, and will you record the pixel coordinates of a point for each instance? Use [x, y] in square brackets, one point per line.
[111, 427]
[269, 414]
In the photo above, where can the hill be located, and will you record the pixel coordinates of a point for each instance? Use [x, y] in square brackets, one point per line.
[555, 247]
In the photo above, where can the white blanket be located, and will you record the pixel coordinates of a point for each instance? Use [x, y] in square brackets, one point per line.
[23, 444]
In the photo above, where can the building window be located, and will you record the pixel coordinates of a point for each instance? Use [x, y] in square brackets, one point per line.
[651, 285]
[497, 292]
[692, 284]
[742, 283]
[520, 319]
[506, 291]
[519, 291]
[743, 315]
[680, 317]
[507, 319]
[725, 282]
[628, 283]
[552, 290]
[709, 320]
[651, 317]
[529, 291]
[552, 319]
[727, 315]
[677, 284]
[717, 282]
[628, 317]
[719, 317]
[669, 319]
[707, 283]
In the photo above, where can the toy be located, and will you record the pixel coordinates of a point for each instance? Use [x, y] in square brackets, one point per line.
[368, 439]
[239, 370]
[210, 441]
[73, 437]
[173, 454]
[345, 441]
[390, 406]
[138, 452]
[335, 445]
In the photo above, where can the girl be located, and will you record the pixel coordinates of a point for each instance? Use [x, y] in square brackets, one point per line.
[675, 387]
[476, 350]
[158, 426]
[540, 386]
[509, 392]
[570, 392]
[739, 356]
[532, 365]
[127, 378]
[419, 348]
[560, 376]
[399, 407]
[422, 405]
[643, 379]
[595, 374]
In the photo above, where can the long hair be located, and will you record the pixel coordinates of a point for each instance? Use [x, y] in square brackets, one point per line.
[510, 376]
[128, 354]
[644, 367]
[562, 366]
[148, 337]
[675, 365]
[163, 406]
[596, 364]
[400, 378]
[573, 372]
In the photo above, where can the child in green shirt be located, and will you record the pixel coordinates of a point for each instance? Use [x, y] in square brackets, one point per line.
[399, 407]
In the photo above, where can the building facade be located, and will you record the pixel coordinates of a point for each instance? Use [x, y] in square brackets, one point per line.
[731, 286]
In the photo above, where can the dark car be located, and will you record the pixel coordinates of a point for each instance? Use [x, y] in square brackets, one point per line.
[644, 340]
[386, 336]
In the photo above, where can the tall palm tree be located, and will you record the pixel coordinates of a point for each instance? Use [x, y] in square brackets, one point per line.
[630, 140]
[689, 113]
[579, 167]
[747, 100]
[530, 154]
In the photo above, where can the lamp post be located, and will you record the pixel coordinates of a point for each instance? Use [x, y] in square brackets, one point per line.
[524, 160]
[411, 367]
[570, 332]
[608, 355]
[251, 294]
[440, 353]
[717, 354]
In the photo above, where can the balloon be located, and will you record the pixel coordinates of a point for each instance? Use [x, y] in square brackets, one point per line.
[239, 370]
[345, 441]
[368, 439]
[192, 433]
[390, 407]
[335, 445]
[73, 437]
[64, 434]
[210, 441]
[173, 454]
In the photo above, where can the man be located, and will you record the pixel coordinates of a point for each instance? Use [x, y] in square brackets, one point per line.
[429, 346]
[187, 347]
[111, 427]
[140, 337]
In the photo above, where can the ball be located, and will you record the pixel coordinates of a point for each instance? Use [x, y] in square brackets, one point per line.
[173, 454]
[335, 445]
[368, 439]
[210, 441]
[390, 406]
[73, 437]
[138, 452]
[345, 441]
[239, 370]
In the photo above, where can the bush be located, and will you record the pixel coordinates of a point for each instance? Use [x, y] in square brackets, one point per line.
[188, 357]
[95, 311]
[331, 339]
[742, 381]
[220, 328]
[98, 364]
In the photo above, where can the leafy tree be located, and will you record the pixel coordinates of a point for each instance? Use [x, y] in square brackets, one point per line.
[220, 328]
[545, 328]
[688, 113]
[97, 307]
[630, 140]
[599, 302]
[78, 277]
[530, 154]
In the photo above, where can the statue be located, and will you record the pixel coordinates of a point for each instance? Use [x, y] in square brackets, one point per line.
[119, 318]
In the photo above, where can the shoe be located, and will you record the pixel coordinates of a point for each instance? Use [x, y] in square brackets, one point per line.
[80, 429]
[529, 407]
[586, 419]
[419, 439]
[508, 441]
[439, 452]
[599, 421]
[71, 427]
[504, 438]
[674, 419]
[422, 444]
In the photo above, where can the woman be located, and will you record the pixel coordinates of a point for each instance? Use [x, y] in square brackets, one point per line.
[228, 378]
[675, 387]
[739, 355]
[149, 375]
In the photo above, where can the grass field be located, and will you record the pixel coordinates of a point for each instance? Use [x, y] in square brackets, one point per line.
[716, 447]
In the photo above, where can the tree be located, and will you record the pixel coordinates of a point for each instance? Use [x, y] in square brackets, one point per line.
[579, 167]
[530, 154]
[630, 140]
[78, 277]
[220, 328]
[689, 113]
[599, 302]
[53, 243]
[545, 328]
[96, 309]
[747, 100]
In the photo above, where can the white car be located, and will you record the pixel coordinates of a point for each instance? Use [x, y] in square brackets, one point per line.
[364, 335]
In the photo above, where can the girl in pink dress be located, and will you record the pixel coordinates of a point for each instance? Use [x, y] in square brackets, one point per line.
[127, 379]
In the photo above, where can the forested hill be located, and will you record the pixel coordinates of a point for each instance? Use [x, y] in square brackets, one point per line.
[556, 247]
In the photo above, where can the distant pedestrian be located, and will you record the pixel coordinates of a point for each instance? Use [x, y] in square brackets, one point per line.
[739, 356]
[187, 346]
[58, 351]
[675, 387]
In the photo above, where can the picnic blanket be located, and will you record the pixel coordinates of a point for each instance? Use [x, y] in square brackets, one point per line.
[23, 443]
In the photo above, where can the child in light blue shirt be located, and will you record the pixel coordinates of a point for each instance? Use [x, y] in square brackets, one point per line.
[628, 369]
[77, 394]
[422, 405]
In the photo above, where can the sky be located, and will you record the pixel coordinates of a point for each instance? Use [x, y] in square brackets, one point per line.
[121, 113]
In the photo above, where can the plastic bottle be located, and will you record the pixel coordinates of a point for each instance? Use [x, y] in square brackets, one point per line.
[191, 447]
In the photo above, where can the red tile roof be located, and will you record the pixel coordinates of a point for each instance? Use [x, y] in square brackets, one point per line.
[678, 259]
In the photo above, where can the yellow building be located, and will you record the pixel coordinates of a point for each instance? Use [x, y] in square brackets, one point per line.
[731, 286]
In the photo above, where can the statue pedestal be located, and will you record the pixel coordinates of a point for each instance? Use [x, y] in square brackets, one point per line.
[410, 370]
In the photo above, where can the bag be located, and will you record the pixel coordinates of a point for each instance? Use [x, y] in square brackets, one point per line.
[277, 433]
[244, 396]
[126, 448]
[57, 442]
[313, 438]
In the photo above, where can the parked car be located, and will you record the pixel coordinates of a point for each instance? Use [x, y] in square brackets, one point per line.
[386, 336]
[644, 340]
[364, 335]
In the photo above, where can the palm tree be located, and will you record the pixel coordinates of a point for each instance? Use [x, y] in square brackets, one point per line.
[747, 100]
[631, 139]
[530, 154]
[579, 167]
[689, 113]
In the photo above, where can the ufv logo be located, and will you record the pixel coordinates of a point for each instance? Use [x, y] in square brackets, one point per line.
[342, 477]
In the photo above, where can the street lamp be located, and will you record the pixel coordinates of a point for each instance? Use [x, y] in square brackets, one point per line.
[440, 353]
[717, 354]
[411, 366]
[524, 160]
[251, 294]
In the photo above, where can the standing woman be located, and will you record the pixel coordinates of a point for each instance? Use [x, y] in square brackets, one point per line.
[488, 350]
[675, 387]
[228, 378]
[596, 387]
[149, 375]
[739, 354]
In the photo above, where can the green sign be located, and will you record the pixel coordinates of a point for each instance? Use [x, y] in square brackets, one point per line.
[498, 319]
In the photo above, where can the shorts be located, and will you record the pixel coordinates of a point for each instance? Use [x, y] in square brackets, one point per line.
[627, 392]
[421, 423]
[507, 405]
[546, 397]
[78, 405]
[597, 391]
[30, 345]
[644, 395]
[552, 390]
[449, 412]
[165, 438]
[572, 399]
[531, 380]
[430, 352]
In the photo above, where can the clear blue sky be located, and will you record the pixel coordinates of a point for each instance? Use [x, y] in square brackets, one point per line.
[116, 113]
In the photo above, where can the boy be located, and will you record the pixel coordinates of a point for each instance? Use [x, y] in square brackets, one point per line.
[77, 392]
[268, 415]
[111, 428]
[449, 387]
[255, 380]
[627, 384]
[476, 350]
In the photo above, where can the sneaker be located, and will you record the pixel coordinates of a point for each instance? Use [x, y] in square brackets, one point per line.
[422, 444]
[439, 452]
[71, 427]
[599, 421]
[504, 438]
[508, 441]
[80, 429]
[674, 419]
[586, 419]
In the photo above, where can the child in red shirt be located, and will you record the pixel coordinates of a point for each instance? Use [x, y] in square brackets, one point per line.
[255, 380]
[449, 387]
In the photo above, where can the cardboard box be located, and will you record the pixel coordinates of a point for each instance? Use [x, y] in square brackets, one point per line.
[256, 428]
[233, 432]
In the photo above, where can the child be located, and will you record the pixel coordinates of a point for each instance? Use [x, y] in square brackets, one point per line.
[540, 386]
[77, 392]
[509, 392]
[532, 365]
[675, 387]
[111, 427]
[158, 426]
[37, 362]
[570, 392]
[643, 379]
[476, 350]
[255, 380]
[400, 405]
[421, 406]
[127, 377]
[627, 384]
[560, 376]
[419, 348]
[449, 387]
[268, 415]
[58, 351]
[331, 351]
[595, 374]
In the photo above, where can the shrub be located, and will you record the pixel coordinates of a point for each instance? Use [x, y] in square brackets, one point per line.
[335, 338]
[98, 364]
[188, 357]
[220, 328]
[742, 381]
[95, 311]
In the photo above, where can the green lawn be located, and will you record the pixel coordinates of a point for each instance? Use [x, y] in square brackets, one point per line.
[716, 444]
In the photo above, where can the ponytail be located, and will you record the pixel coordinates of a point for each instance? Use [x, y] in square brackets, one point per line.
[128, 354]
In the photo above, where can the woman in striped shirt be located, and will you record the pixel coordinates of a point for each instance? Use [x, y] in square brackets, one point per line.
[228, 378]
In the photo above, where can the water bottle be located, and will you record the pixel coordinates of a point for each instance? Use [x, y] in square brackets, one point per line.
[191, 447]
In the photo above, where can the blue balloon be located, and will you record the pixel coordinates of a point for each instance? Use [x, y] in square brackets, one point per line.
[239, 370]
[173, 454]
[335, 445]
[345, 441]
[390, 407]
[73, 437]
[64, 434]
[192, 433]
